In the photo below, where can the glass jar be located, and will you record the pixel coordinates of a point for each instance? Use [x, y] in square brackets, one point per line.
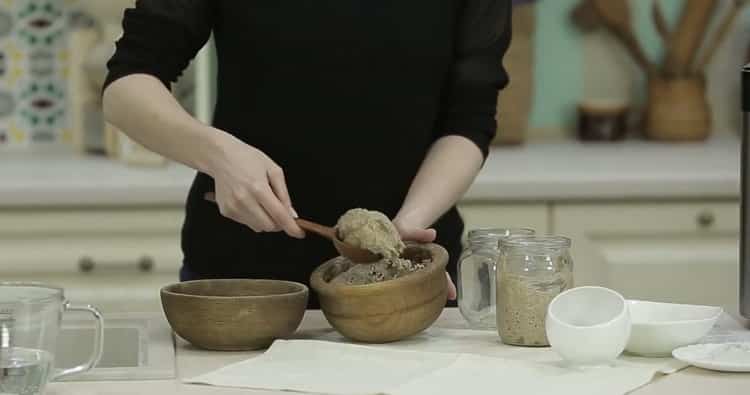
[476, 275]
[531, 271]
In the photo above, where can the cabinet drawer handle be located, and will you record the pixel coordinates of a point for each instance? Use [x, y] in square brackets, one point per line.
[706, 219]
[144, 264]
[86, 264]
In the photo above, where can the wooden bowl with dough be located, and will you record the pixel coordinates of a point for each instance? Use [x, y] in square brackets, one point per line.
[387, 311]
[234, 315]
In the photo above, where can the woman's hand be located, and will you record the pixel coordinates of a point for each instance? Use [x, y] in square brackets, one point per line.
[446, 173]
[251, 189]
[419, 234]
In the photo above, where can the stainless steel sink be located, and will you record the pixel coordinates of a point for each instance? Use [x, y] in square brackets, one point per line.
[136, 347]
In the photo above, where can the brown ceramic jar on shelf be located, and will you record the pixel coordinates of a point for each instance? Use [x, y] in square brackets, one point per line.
[602, 120]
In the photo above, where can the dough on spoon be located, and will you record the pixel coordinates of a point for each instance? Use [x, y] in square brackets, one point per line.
[370, 230]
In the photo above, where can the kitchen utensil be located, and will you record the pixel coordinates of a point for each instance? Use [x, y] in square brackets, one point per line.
[659, 328]
[30, 319]
[588, 325]
[531, 272]
[518, 62]
[726, 357]
[585, 17]
[602, 120]
[84, 102]
[477, 272]
[677, 109]
[745, 192]
[660, 22]
[104, 11]
[355, 254]
[386, 311]
[234, 314]
[688, 36]
[89, 49]
[720, 35]
[615, 14]
[95, 63]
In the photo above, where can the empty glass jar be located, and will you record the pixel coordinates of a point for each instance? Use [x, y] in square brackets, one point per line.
[531, 271]
[476, 275]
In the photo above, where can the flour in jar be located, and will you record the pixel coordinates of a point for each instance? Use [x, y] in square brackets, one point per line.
[522, 306]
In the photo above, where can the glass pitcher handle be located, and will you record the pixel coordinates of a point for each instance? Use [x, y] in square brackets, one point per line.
[96, 355]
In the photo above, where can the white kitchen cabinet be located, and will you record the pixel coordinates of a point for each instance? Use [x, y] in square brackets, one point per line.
[499, 215]
[119, 258]
[683, 252]
[116, 259]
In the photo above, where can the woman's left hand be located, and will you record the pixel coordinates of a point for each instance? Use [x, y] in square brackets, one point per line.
[420, 235]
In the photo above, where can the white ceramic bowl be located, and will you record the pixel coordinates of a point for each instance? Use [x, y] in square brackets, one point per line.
[588, 325]
[660, 328]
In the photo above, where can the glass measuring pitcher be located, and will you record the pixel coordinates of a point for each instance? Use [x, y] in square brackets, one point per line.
[30, 320]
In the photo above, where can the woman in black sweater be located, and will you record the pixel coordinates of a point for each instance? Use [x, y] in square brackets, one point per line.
[323, 106]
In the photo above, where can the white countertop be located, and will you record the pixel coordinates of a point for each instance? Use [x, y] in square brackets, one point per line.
[192, 361]
[627, 170]
[64, 179]
[533, 172]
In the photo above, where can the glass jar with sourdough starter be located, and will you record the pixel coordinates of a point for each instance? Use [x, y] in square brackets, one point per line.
[531, 271]
[476, 275]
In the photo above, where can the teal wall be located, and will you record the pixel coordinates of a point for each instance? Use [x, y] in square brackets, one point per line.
[557, 73]
[558, 56]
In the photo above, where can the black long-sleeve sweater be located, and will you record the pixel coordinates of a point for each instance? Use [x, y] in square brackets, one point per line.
[346, 96]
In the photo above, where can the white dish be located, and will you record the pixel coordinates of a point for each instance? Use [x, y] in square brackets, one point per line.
[727, 357]
[659, 328]
[588, 325]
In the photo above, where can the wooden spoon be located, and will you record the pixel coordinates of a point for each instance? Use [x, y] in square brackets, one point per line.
[615, 15]
[718, 39]
[355, 254]
[688, 36]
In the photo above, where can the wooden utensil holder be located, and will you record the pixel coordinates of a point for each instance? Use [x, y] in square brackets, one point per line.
[678, 109]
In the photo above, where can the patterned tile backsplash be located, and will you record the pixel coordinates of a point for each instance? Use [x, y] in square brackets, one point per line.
[33, 72]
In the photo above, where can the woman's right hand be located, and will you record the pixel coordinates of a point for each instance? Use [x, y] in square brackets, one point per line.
[251, 188]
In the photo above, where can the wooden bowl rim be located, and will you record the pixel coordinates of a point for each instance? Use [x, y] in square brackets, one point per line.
[324, 287]
[301, 289]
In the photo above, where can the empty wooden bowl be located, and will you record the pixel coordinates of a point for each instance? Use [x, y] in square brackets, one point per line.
[234, 314]
[387, 311]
